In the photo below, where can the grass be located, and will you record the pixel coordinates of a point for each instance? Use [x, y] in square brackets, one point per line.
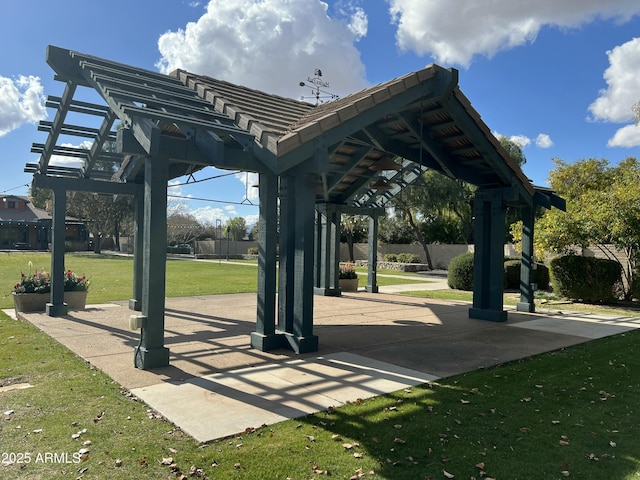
[573, 410]
[570, 412]
[111, 276]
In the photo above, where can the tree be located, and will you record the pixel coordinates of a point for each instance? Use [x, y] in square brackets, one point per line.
[513, 149]
[394, 229]
[603, 209]
[354, 229]
[182, 228]
[236, 228]
[102, 214]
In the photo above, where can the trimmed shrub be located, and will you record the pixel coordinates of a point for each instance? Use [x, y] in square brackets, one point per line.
[460, 275]
[408, 258]
[590, 279]
[252, 251]
[401, 258]
[179, 249]
[512, 275]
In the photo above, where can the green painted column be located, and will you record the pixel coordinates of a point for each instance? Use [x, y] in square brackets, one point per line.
[327, 264]
[301, 338]
[488, 265]
[265, 337]
[151, 353]
[372, 281]
[527, 290]
[287, 231]
[57, 307]
[138, 248]
[296, 279]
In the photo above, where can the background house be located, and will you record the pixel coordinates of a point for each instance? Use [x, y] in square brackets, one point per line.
[26, 227]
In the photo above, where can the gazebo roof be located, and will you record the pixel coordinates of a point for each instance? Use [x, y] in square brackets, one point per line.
[391, 132]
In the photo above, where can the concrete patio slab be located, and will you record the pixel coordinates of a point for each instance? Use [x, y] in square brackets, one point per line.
[216, 385]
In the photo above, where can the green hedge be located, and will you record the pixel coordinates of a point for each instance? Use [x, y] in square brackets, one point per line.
[592, 280]
[460, 275]
[512, 275]
[401, 258]
[175, 249]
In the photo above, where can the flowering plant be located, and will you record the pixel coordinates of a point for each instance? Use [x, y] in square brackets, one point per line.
[347, 271]
[74, 283]
[40, 282]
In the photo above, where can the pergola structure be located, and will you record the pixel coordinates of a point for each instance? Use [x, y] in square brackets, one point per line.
[314, 163]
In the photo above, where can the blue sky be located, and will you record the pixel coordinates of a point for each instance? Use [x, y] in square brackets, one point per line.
[559, 77]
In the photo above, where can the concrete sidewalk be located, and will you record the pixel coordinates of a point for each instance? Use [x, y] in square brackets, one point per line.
[370, 344]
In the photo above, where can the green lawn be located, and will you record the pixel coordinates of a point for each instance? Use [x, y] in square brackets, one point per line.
[570, 413]
[111, 276]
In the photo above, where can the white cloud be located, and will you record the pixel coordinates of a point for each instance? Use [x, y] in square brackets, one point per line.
[359, 23]
[628, 136]
[520, 140]
[454, 31]
[21, 101]
[212, 215]
[544, 141]
[70, 162]
[249, 180]
[623, 84]
[270, 45]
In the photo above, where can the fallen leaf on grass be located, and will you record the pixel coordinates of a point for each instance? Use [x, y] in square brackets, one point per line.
[399, 440]
[358, 454]
[565, 473]
[118, 462]
[613, 444]
[447, 474]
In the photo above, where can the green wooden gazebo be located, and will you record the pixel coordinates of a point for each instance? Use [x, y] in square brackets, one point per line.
[314, 163]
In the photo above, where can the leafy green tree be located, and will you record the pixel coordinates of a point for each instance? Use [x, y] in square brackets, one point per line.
[394, 229]
[236, 228]
[353, 229]
[603, 210]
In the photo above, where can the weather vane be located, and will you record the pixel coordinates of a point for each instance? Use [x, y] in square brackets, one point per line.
[317, 84]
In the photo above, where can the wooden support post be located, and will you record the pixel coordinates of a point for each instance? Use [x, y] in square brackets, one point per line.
[488, 265]
[295, 294]
[372, 281]
[57, 307]
[301, 338]
[265, 337]
[327, 265]
[151, 353]
[138, 248]
[286, 277]
[527, 290]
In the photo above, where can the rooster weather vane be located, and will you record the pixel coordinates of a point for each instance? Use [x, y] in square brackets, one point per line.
[317, 84]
